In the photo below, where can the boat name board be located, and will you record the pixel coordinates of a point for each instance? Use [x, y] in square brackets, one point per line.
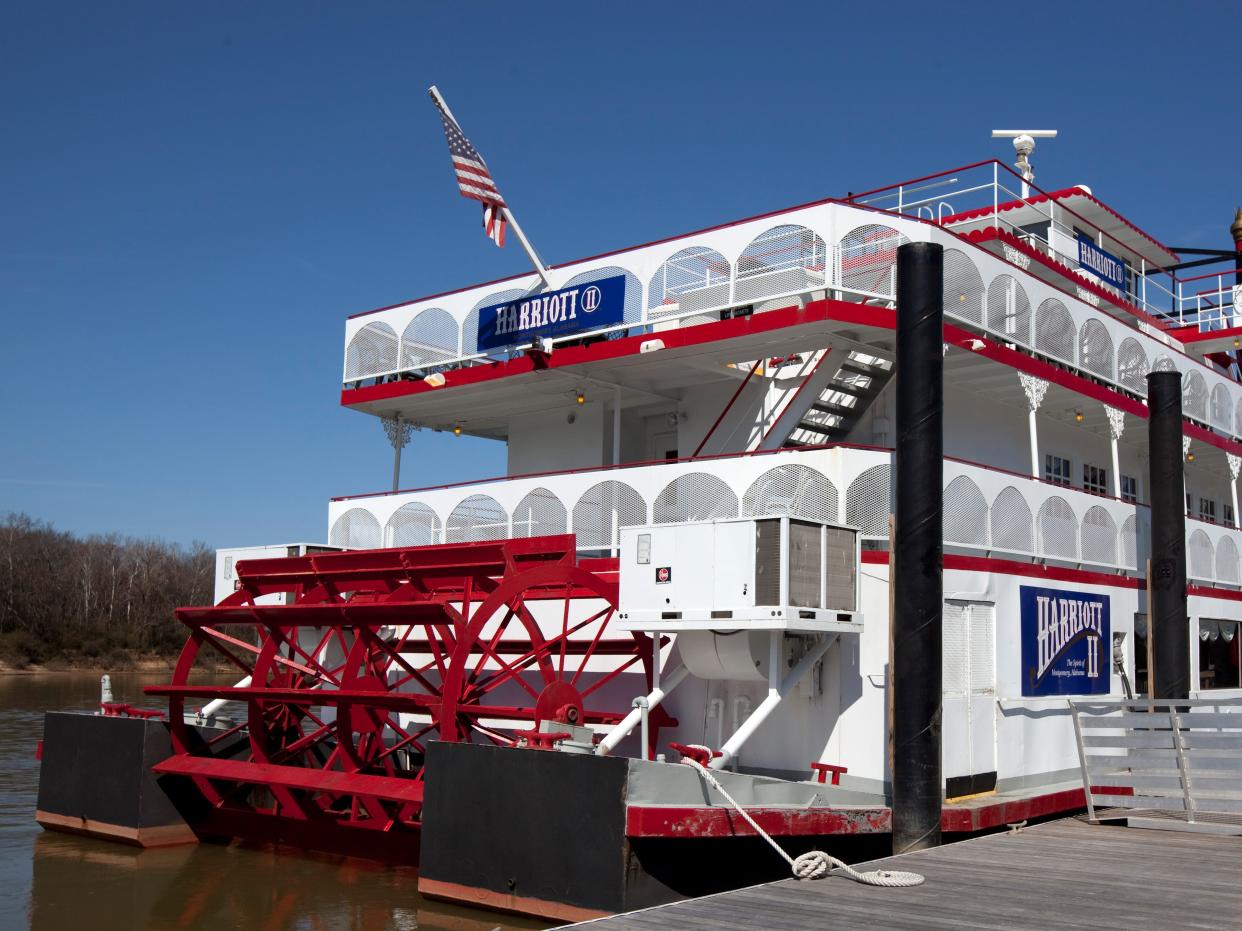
[591, 305]
[1064, 636]
[1103, 264]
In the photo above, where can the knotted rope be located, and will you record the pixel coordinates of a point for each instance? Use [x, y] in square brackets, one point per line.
[814, 864]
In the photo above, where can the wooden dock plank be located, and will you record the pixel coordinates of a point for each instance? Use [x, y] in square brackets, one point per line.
[1064, 874]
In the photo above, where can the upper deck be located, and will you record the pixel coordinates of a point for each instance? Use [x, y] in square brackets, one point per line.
[696, 308]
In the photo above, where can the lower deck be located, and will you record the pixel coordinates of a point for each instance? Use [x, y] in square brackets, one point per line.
[1064, 874]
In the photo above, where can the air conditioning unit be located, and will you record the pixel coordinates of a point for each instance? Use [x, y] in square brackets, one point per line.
[759, 573]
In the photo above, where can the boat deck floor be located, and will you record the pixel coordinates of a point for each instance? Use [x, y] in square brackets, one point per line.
[1060, 874]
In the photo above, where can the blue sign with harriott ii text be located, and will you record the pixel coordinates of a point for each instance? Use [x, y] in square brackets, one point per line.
[587, 306]
[1102, 264]
[1066, 644]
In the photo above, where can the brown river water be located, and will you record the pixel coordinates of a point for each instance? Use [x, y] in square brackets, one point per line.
[53, 881]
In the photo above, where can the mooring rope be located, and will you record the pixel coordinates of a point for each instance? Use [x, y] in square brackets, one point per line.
[814, 864]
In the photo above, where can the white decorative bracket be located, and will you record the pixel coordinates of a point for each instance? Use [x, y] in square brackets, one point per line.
[1035, 389]
[1116, 422]
[1235, 464]
[397, 430]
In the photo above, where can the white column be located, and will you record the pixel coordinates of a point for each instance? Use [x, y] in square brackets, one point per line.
[1235, 462]
[1035, 389]
[616, 426]
[1116, 427]
[398, 432]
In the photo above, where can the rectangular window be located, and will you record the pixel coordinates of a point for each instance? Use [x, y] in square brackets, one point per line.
[1129, 489]
[1094, 479]
[1057, 470]
[1190, 503]
[1140, 654]
[1207, 510]
[1220, 654]
[1226, 514]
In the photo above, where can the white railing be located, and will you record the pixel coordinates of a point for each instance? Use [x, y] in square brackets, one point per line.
[827, 249]
[986, 511]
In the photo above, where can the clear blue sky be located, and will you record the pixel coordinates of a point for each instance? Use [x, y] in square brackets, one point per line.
[197, 194]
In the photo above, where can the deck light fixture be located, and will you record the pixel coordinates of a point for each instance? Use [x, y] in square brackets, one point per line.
[1237, 343]
[456, 429]
[1190, 457]
[1078, 416]
[581, 398]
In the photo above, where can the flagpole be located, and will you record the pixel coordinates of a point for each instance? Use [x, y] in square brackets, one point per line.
[505, 211]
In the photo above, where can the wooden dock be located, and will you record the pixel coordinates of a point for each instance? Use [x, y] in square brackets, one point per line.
[1062, 874]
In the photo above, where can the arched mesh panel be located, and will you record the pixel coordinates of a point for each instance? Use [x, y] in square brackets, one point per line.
[784, 259]
[693, 279]
[1222, 409]
[694, 496]
[431, 337]
[796, 490]
[470, 326]
[1164, 364]
[603, 509]
[1130, 543]
[869, 501]
[1009, 310]
[539, 514]
[965, 513]
[1227, 562]
[1054, 331]
[963, 287]
[1099, 537]
[372, 351]
[1095, 349]
[1058, 529]
[633, 293]
[356, 529]
[1132, 366]
[1199, 556]
[1194, 396]
[413, 524]
[479, 517]
[869, 258]
[1013, 528]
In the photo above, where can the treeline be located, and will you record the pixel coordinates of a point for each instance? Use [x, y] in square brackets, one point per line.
[93, 599]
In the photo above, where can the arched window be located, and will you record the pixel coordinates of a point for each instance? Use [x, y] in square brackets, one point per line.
[602, 510]
[372, 351]
[479, 517]
[413, 524]
[868, 257]
[963, 287]
[694, 496]
[356, 529]
[869, 501]
[539, 514]
[784, 260]
[965, 513]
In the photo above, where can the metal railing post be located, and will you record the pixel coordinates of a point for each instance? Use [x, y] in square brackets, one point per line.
[1183, 766]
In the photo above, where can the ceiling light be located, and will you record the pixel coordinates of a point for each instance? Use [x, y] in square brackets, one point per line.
[456, 429]
[1190, 457]
[581, 398]
[1078, 416]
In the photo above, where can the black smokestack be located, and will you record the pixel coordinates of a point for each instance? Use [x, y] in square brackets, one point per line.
[915, 676]
[1168, 622]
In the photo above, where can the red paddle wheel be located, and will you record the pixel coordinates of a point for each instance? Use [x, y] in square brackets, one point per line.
[348, 664]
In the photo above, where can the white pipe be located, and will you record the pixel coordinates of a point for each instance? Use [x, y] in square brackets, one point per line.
[622, 730]
[775, 694]
[213, 706]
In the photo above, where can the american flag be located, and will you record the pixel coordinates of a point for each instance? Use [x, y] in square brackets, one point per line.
[473, 178]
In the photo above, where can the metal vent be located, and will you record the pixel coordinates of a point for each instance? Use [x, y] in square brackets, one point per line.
[693, 279]
[796, 490]
[963, 287]
[868, 259]
[355, 529]
[1054, 331]
[1227, 562]
[373, 350]
[1012, 524]
[783, 260]
[1221, 409]
[539, 514]
[694, 496]
[1095, 349]
[955, 667]
[965, 513]
[414, 524]
[1132, 366]
[1009, 310]
[479, 517]
[869, 501]
[1099, 537]
[1058, 529]
[1194, 396]
[602, 509]
[841, 591]
[805, 564]
[767, 562]
[1199, 556]
[431, 337]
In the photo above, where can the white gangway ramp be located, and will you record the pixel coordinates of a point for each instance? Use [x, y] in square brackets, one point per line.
[1174, 764]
